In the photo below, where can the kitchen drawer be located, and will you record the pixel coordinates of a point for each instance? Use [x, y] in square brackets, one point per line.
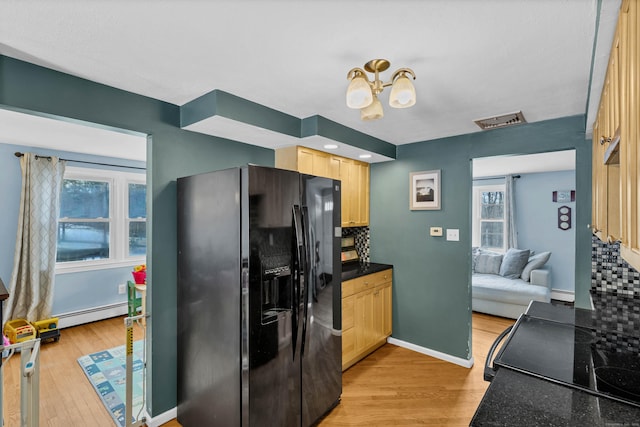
[371, 280]
[348, 287]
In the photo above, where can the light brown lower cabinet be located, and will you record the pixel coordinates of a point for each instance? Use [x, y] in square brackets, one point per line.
[366, 315]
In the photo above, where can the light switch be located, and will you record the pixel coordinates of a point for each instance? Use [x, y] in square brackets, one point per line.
[453, 234]
[435, 231]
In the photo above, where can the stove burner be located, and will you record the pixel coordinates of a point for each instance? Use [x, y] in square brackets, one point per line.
[621, 382]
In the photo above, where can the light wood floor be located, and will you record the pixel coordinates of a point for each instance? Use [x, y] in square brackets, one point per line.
[66, 396]
[393, 386]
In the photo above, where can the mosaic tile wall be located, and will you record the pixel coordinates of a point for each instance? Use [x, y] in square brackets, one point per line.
[610, 273]
[615, 287]
[617, 322]
[363, 241]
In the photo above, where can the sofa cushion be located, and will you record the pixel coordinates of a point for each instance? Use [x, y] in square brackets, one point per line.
[515, 291]
[488, 263]
[513, 263]
[534, 263]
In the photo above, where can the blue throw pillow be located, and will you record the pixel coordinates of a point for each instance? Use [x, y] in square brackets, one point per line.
[514, 262]
[534, 263]
[488, 263]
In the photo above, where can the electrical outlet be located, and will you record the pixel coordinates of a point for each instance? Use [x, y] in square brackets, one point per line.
[122, 289]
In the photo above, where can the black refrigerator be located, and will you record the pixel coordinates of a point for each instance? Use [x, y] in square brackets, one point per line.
[259, 321]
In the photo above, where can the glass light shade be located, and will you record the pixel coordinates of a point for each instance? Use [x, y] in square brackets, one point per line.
[403, 94]
[373, 111]
[359, 93]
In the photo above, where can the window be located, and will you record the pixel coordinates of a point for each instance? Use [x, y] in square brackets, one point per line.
[488, 217]
[102, 220]
[137, 219]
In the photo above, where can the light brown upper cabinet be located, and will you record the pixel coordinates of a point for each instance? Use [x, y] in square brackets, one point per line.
[353, 174]
[616, 135]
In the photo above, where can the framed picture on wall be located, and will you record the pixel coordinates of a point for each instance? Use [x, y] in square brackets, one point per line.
[424, 190]
[563, 196]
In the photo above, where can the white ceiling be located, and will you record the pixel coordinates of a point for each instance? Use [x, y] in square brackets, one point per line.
[473, 59]
[528, 163]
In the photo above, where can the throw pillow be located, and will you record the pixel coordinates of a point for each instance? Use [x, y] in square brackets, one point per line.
[514, 262]
[535, 262]
[475, 251]
[488, 263]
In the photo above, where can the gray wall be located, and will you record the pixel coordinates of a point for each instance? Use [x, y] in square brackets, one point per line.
[431, 293]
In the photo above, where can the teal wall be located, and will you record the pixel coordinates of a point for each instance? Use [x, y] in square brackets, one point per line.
[431, 275]
[171, 153]
[431, 294]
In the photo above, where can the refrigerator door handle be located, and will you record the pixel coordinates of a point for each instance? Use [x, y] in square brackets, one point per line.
[298, 273]
[307, 274]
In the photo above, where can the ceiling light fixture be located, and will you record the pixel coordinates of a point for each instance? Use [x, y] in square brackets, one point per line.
[365, 156]
[330, 146]
[362, 94]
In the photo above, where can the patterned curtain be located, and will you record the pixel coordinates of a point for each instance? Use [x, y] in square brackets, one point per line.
[32, 279]
[510, 214]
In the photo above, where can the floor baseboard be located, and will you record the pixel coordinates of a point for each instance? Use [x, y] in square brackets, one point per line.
[562, 295]
[433, 353]
[163, 418]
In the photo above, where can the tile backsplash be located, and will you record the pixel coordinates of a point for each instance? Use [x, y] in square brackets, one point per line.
[363, 241]
[610, 273]
[617, 321]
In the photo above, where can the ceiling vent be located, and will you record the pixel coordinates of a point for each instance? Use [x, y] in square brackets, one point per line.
[501, 121]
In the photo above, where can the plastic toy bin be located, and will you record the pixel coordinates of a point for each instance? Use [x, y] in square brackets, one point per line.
[19, 330]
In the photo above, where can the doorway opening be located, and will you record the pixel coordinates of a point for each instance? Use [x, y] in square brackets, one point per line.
[529, 219]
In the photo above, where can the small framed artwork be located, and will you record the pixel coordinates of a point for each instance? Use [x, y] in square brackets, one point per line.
[424, 190]
[564, 196]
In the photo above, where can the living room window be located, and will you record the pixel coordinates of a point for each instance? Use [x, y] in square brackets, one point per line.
[102, 219]
[489, 225]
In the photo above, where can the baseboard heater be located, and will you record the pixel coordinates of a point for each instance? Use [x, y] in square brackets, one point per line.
[79, 317]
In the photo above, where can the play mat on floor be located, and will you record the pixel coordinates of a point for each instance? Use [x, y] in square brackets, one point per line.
[106, 372]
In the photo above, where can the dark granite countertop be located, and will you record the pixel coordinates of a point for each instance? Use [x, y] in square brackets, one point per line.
[357, 269]
[515, 399]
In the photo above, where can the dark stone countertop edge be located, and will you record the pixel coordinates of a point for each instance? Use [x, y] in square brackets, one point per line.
[514, 398]
[355, 270]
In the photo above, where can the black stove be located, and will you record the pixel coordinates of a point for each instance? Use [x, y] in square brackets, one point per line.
[565, 346]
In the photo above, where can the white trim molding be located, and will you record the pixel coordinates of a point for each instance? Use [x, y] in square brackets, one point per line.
[433, 353]
[562, 295]
[163, 418]
[66, 320]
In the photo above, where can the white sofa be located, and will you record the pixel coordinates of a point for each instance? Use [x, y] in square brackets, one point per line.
[501, 296]
[505, 284]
